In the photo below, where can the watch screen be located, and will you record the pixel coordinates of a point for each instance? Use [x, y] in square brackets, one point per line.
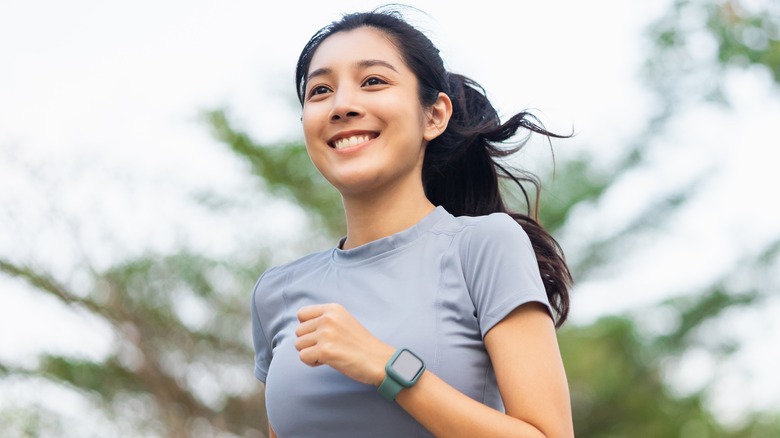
[407, 365]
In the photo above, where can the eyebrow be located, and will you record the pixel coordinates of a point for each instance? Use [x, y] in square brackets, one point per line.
[360, 64]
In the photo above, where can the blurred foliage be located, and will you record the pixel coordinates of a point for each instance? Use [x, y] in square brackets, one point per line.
[608, 360]
[180, 320]
[21, 422]
[745, 38]
[696, 41]
[286, 171]
[616, 373]
[576, 181]
[175, 320]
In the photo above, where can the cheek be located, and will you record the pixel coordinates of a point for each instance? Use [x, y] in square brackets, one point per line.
[314, 117]
[308, 125]
[405, 111]
[312, 140]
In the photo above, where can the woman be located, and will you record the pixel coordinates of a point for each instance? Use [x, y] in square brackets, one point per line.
[435, 314]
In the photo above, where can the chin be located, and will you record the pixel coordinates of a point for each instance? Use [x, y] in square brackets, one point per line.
[356, 184]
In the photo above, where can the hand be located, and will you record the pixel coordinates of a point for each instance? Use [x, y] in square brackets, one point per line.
[329, 335]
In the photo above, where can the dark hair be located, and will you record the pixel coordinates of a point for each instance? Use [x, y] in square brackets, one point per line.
[461, 168]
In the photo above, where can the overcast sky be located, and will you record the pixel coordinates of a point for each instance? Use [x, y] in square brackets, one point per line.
[97, 95]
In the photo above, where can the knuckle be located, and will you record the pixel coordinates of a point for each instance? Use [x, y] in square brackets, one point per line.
[326, 355]
[326, 332]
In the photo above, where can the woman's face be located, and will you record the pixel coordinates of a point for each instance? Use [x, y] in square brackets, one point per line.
[364, 126]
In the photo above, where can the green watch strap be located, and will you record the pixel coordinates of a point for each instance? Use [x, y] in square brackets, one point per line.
[389, 388]
[410, 369]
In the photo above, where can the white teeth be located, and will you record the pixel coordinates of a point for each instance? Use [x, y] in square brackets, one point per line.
[350, 141]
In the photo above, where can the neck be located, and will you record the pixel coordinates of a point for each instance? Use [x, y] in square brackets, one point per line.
[382, 214]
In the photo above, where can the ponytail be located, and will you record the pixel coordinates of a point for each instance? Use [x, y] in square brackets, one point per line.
[461, 172]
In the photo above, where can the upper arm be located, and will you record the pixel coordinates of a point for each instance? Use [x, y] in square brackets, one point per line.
[529, 370]
[500, 269]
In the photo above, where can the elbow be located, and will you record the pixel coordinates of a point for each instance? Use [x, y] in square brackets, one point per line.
[562, 429]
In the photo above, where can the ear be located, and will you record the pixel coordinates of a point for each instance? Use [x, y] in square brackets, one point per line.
[438, 116]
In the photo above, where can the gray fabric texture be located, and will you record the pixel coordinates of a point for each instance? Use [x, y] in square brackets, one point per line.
[436, 288]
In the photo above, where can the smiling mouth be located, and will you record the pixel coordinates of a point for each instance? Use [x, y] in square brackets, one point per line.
[352, 141]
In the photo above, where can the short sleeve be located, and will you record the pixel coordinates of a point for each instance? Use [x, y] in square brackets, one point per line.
[259, 338]
[501, 269]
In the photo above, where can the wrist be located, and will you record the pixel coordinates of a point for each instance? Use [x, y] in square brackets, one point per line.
[402, 371]
[379, 366]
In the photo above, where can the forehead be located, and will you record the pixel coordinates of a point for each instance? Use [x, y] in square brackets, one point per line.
[351, 46]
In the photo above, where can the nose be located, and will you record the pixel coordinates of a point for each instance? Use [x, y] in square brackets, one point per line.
[345, 106]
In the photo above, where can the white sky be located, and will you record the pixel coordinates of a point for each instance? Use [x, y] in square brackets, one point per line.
[100, 100]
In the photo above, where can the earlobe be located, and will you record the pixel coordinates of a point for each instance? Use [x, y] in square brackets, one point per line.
[438, 117]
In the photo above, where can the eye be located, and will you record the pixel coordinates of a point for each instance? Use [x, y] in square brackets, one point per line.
[317, 90]
[373, 80]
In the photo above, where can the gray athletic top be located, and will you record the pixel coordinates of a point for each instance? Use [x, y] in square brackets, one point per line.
[435, 288]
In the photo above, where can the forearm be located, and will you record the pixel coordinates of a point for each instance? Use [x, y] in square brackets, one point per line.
[529, 373]
[446, 412]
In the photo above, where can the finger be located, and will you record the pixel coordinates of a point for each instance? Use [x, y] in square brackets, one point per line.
[310, 356]
[306, 327]
[306, 313]
[305, 341]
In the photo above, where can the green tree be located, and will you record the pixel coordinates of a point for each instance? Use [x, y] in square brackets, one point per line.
[616, 368]
[157, 354]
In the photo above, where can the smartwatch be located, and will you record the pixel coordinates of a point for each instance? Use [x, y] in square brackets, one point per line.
[403, 370]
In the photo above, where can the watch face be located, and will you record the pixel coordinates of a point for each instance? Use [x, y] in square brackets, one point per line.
[407, 365]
